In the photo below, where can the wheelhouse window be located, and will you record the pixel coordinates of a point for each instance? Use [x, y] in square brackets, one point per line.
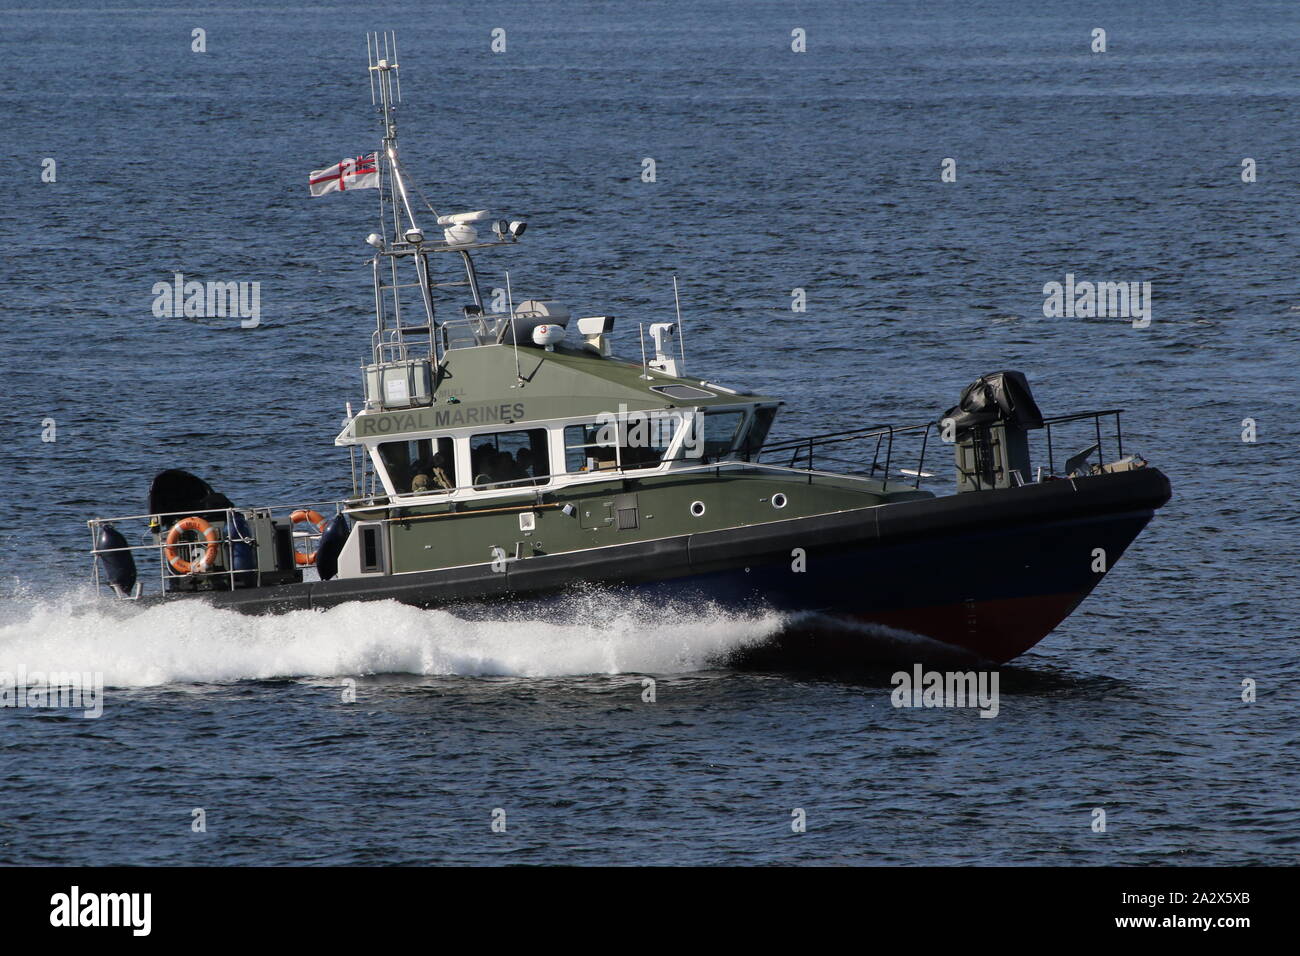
[756, 434]
[583, 450]
[637, 440]
[506, 459]
[722, 433]
[419, 465]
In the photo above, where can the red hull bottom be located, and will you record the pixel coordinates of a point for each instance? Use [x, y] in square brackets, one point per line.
[998, 630]
[992, 630]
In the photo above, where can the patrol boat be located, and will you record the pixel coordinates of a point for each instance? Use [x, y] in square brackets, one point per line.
[500, 457]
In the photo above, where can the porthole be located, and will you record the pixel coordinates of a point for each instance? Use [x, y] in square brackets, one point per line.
[697, 508]
[778, 501]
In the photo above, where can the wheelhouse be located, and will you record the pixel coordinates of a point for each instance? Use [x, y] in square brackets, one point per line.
[473, 462]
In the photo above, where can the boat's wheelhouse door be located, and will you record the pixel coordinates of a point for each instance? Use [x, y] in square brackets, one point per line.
[366, 551]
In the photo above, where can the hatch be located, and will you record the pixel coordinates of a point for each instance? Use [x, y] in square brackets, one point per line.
[685, 392]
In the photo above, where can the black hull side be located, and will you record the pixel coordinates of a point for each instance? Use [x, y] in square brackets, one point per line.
[992, 572]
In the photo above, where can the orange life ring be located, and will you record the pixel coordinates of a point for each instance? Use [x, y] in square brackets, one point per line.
[312, 518]
[192, 523]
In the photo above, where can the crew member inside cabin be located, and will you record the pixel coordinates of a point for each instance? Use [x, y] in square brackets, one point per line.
[432, 477]
[524, 462]
[478, 458]
[503, 467]
[420, 465]
[439, 471]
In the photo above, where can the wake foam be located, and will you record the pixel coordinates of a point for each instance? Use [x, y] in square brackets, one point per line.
[189, 641]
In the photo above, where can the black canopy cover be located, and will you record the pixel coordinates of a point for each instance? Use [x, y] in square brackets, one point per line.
[996, 397]
[175, 491]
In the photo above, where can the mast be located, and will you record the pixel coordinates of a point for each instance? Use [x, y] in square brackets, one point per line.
[406, 349]
[390, 95]
[393, 340]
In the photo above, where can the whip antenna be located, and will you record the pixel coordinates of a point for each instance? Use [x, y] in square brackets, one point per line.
[681, 339]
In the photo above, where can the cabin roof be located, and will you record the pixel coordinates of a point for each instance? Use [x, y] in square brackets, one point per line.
[479, 386]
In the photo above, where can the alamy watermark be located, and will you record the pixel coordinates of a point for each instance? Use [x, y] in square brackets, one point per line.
[208, 300]
[922, 688]
[1105, 300]
[131, 911]
[654, 428]
[69, 690]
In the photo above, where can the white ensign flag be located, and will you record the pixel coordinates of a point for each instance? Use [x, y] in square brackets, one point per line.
[359, 173]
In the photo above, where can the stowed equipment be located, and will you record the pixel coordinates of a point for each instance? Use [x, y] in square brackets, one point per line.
[991, 425]
[205, 543]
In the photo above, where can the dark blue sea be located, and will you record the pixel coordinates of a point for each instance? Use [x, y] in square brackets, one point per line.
[775, 171]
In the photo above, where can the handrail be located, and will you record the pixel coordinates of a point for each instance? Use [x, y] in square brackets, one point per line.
[166, 572]
[1096, 417]
[883, 434]
[308, 505]
[1073, 416]
[353, 505]
[157, 523]
[843, 435]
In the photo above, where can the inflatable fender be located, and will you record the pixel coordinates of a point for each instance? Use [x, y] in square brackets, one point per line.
[332, 538]
[119, 566]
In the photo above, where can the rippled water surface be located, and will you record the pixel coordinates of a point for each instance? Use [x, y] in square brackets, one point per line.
[775, 171]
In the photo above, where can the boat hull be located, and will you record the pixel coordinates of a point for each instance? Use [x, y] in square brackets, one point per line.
[991, 572]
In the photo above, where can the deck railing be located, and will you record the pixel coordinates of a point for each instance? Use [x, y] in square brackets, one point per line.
[1097, 432]
[145, 525]
[878, 438]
